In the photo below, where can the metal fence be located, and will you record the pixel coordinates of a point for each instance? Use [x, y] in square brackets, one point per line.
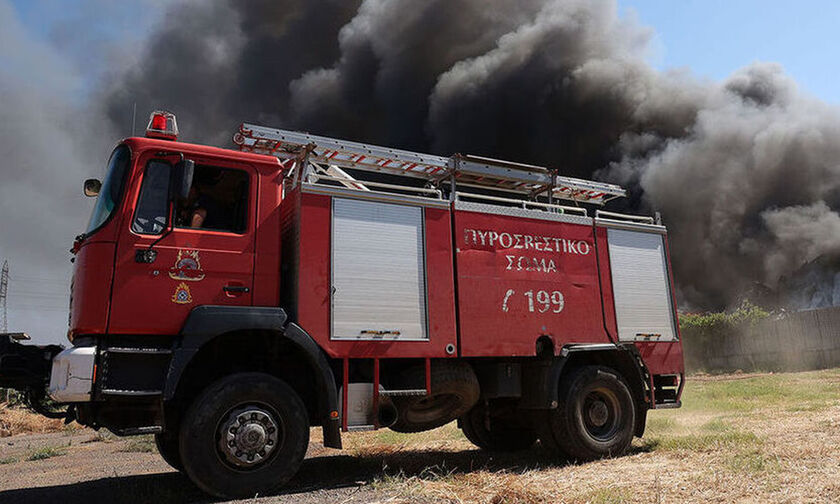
[799, 341]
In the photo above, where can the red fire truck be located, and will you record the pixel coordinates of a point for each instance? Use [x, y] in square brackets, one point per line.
[227, 300]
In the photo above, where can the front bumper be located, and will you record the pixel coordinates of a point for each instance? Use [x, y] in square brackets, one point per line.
[71, 378]
[124, 397]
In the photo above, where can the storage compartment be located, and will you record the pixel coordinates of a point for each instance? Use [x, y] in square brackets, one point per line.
[378, 271]
[641, 286]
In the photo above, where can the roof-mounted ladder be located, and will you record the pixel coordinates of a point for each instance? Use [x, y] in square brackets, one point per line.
[330, 155]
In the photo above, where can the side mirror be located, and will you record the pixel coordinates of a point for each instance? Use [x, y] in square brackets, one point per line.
[92, 187]
[182, 177]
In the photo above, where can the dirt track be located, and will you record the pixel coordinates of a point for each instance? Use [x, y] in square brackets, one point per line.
[111, 471]
[761, 438]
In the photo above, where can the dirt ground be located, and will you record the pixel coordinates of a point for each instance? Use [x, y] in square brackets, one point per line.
[748, 438]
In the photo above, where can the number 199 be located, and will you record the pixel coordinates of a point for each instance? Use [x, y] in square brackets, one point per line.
[545, 301]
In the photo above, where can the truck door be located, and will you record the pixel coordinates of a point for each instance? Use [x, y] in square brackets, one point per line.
[207, 259]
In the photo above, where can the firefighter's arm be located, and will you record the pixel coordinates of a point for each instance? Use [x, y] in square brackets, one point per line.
[198, 217]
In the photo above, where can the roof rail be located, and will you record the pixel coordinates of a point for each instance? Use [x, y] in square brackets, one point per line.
[560, 209]
[459, 170]
[645, 219]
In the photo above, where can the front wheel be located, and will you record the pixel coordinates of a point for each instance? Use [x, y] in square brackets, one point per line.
[595, 418]
[244, 435]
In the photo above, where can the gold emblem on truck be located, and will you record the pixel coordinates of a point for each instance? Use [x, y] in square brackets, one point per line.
[187, 266]
[182, 294]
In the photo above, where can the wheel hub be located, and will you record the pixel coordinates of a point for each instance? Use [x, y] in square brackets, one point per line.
[598, 413]
[601, 414]
[248, 436]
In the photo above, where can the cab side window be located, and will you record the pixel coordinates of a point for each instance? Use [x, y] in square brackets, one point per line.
[153, 204]
[218, 201]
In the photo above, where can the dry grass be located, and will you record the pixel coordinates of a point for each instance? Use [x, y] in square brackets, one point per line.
[758, 438]
[16, 420]
[140, 444]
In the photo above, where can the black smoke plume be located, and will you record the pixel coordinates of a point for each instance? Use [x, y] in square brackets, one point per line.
[745, 172]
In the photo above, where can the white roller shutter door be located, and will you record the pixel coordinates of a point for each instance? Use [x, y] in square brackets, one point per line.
[641, 286]
[378, 271]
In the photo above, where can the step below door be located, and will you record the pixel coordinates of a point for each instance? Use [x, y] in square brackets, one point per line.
[378, 271]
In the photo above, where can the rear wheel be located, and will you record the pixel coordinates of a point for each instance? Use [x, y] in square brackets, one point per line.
[167, 445]
[496, 428]
[595, 418]
[246, 434]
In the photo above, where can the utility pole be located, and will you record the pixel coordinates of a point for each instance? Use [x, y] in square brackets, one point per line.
[4, 294]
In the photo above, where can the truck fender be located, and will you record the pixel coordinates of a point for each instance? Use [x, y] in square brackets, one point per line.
[205, 323]
[541, 379]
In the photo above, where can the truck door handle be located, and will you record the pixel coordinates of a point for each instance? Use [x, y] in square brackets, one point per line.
[235, 289]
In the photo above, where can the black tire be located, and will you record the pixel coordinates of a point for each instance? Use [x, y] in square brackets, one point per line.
[505, 432]
[167, 445]
[595, 418]
[455, 390]
[244, 435]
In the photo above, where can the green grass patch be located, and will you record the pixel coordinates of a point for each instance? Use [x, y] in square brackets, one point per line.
[140, 444]
[46, 452]
[607, 495]
[387, 436]
[754, 462]
[660, 424]
[703, 442]
[445, 433]
[8, 460]
[810, 391]
[717, 425]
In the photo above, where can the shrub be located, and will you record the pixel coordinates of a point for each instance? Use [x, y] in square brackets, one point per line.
[721, 322]
[703, 333]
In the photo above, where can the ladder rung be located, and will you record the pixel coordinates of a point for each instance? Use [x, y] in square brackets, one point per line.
[407, 392]
[141, 351]
[134, 393]
[358, 428]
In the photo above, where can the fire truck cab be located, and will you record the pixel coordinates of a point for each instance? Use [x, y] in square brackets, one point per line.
[227, 300]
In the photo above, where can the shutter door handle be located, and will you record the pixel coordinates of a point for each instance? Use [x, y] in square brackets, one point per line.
[236, 289]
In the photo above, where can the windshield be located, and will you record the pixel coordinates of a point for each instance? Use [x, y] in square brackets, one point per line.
[112, 188]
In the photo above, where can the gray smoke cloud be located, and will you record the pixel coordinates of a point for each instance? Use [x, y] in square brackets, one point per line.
[748, 189]
[52, 137]
[744, 172]
[43, 162]
[802, 234]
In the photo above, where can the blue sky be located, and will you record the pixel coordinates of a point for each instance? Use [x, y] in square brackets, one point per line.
[715, 37]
